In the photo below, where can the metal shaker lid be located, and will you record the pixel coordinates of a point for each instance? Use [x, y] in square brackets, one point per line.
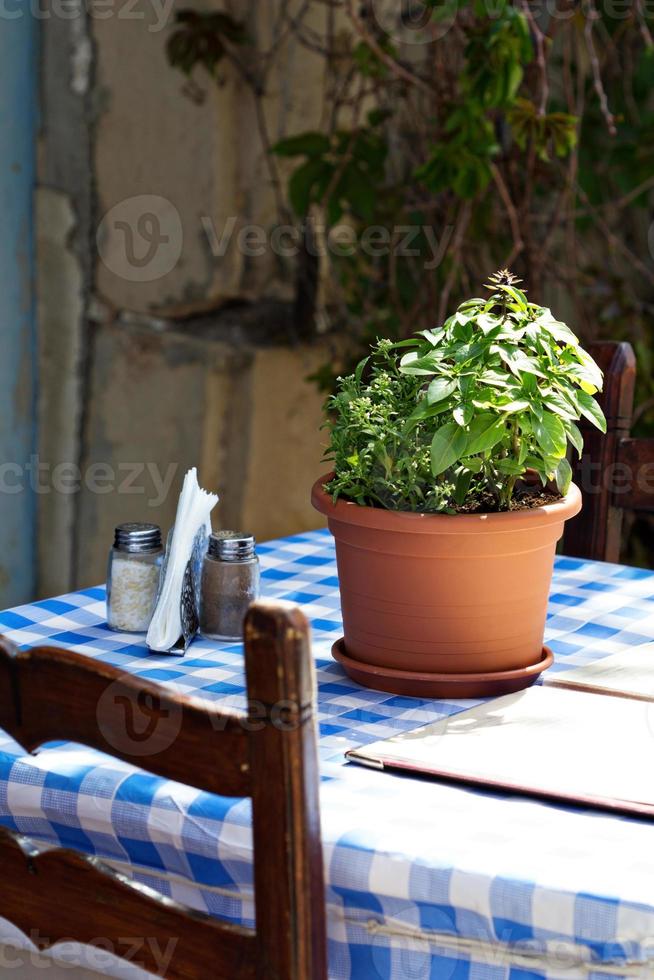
[232, 545]
[137, 538]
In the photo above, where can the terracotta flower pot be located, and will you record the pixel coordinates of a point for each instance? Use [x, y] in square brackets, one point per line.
[444, 605]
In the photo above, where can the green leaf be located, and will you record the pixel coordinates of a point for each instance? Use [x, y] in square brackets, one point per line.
[360, 192]
[334, 209]
[440, 388]
[448, 445]
[516, 295]
[474, 303]
[378, 116]
[560, 331]
[534, 463]
[563, 476]
[575, 437]
[414, 364]
[530, 384]
[425, 411]
[524, 451]
[596, 377]
[200, 39]
[473, 463]
[463, 414]
[518, 362]
[495, 379]
[433, 336]
[515, 406]
[466, 385]
[486, 431]
[586, 371]
[487, 323]
[560, 406]
[462, 485]
[591, 410]
[368, 62]
[304, 144]
[360, 368]
[514, 75]
[469, 352]
[302, 183]
[551, 436]
[510, 467]
[398, 344]
[443, 9]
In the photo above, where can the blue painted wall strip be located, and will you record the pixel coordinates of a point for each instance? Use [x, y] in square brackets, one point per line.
[18, 349]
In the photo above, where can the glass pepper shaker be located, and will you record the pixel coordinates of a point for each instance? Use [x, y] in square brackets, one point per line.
[133, 577]
[230, 582]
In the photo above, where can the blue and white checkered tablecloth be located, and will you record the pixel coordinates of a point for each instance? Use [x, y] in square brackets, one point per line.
[425, 881]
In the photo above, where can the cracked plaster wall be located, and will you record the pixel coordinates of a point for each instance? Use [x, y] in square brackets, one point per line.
[124, 379]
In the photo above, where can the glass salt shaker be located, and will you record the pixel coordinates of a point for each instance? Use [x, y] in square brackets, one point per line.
[230, 582]
[133, 577]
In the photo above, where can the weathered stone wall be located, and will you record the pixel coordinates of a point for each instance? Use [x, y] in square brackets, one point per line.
[206, 161]
[163, 402]
[137, 184]
[65, 270]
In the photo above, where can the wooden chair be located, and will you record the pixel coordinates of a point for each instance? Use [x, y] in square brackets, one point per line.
[616, 472]
[270, 755]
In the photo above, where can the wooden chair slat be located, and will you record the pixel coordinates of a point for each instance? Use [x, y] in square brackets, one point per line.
[49, 694]
[287, 862]
[57, 895]
[636, 457]
[596, 532]
[271, 755]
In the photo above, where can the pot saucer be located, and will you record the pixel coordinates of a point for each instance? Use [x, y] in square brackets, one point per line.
[420, 685]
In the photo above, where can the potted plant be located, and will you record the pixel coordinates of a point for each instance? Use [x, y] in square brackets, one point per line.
[450, 489]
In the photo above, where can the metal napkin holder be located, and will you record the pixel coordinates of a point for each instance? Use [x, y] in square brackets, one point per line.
[189, 600]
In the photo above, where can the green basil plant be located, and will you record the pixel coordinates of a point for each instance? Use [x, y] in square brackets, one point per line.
[453, 419]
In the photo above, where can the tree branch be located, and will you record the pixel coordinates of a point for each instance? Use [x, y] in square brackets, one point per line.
[518, 241]
[397, 69]
[591, 16]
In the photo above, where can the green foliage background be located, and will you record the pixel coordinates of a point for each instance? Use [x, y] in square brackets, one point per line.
[508, 133]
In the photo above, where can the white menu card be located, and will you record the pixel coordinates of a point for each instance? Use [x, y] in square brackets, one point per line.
[629, 673]
[563, 744]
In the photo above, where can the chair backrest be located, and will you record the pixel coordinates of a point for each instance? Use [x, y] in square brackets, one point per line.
[270, 755]
[615, 472]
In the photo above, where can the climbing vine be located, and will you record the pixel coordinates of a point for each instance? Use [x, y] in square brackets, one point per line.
[457, 136]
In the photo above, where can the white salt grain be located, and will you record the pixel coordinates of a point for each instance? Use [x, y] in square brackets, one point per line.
[134, 586]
